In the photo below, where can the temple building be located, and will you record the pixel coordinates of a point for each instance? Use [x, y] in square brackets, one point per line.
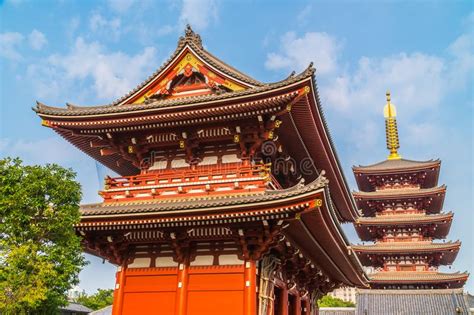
[230, 194]
[401, 206]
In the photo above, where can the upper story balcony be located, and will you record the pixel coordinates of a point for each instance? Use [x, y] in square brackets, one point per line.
[187, 182]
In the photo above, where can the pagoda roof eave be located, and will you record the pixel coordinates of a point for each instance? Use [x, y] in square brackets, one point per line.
[409, 277]
[366, 227]
[192, 111]
[198, 205]
[389, 292]
[399, 193]
[437, 194]
[449, 250]
[174, 104]
[396, 166]
[406, 247]
[404, 219]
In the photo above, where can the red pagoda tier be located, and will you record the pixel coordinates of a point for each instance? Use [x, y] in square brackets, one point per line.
[229, 197]
[401, 206]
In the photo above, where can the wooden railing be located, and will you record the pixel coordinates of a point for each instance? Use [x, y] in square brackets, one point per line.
[201, 180]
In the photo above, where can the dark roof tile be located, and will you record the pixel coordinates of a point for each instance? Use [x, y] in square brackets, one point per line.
[410, 302]
[198, 202]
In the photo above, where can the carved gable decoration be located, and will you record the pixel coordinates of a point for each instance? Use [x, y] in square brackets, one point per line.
[189, 77]
[190, 71]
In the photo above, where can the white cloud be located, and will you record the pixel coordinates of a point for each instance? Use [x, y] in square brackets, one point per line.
[111, 74]
[48, 150]
[420, 84]
[72, 26]
[297, 52]
[9, 42]
[303, 16]
[198, 13]
[37, 40]
[353, 97]
[47, 82]
[416, 81]
[111, 28]
[462, 63]
[423, 133]
[468, 21]
[121, 6]
[164, 30]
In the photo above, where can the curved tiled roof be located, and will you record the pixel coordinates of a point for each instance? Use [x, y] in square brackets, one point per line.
[170, 204]
[72, 110]
[404, 218]
[396, 165]
[415, 276]
[76, 308]
[103, 311]
[398, 193]
[411, 302]
[406, 246]
[368, 227]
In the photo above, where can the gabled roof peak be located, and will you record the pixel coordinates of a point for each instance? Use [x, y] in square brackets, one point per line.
[190, 36]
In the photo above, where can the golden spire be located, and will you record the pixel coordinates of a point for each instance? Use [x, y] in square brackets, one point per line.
[391, 130]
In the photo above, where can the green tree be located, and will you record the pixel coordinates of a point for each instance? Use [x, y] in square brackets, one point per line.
[40, 254]
[329, 301]
[98, 300]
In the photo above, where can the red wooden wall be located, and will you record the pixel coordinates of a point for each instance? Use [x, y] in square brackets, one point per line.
[206, 290]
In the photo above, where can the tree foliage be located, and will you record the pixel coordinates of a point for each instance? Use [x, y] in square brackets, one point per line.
[329, 301]
[40, 254]
[98, 300]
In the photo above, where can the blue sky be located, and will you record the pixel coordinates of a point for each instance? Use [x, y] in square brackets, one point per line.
[92, 52]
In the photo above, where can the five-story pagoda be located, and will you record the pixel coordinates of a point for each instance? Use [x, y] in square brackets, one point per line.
[230, 194]
[401, 204]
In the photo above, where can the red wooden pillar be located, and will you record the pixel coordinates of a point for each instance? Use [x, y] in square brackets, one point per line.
[296, 306]
[250, 293]
[119, 290]
[283, 301]
[181, 298]
[306, 307]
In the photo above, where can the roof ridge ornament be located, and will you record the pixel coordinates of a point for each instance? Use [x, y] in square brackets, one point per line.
[190, 37]
[391, 129]
[310, 70]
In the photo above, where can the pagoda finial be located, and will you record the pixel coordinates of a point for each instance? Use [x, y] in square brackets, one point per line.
[391, 130]
[190, 36]
[188, 31]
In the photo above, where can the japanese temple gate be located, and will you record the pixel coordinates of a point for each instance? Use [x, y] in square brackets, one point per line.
[229, 197]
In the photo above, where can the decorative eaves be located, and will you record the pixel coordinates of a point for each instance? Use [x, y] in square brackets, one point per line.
[199, 202]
